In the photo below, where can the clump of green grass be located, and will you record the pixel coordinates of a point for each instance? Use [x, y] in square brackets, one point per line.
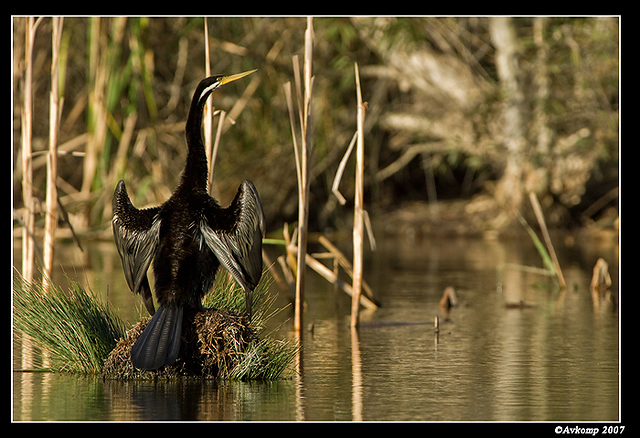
[263, 358]
[74, 329]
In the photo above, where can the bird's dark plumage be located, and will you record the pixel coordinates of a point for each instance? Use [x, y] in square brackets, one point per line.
[187, 238]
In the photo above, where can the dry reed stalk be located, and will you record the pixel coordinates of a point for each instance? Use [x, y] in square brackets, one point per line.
[290, 245]
[214, 154]
[288, 276]
[28, 242]
[287, 95]
[97, 125]
[51, 222]
[358, 219]
[301, 153]
[28, 231]
[369, 228]
[343, 163]
[303, 208]
[547, 239]
[208, 107]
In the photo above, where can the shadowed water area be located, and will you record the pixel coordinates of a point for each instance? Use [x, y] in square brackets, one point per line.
[553, 358]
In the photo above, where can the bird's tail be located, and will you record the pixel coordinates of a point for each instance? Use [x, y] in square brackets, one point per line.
[159, 343]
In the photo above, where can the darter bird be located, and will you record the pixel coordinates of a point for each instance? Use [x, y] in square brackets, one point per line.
[187, 238]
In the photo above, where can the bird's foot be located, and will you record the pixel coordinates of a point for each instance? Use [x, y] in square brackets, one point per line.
[201, 308]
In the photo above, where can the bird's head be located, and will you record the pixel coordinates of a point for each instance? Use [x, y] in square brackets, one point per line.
[212, 83]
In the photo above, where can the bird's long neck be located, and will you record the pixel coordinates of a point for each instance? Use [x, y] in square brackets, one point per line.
[196, 170]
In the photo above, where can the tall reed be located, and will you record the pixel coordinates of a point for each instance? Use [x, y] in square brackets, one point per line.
[51, 222]
[208, 108]
[302, 152]
[358, 215]
[28, 231]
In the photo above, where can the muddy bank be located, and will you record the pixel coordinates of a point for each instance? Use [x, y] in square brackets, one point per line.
[480, 217]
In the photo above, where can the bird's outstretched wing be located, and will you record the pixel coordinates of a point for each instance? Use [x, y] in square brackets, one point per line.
[136, 233]
[235, 236]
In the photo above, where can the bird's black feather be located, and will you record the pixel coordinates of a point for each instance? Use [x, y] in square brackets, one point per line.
[159, 343]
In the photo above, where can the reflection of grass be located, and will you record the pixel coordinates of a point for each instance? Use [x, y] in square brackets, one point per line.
[76, 331]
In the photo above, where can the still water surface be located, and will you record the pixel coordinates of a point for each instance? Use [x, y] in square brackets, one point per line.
[556, 360]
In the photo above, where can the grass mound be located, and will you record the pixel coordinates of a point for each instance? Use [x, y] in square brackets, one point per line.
[79, 333]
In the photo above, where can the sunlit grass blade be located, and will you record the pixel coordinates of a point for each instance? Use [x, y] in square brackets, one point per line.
[544, 254]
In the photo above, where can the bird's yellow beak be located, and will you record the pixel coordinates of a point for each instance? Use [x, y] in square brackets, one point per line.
[227, 79]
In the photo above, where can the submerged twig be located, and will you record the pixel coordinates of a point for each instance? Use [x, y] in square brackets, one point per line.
[600, 280]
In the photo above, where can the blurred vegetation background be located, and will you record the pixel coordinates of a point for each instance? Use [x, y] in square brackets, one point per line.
[482, 110]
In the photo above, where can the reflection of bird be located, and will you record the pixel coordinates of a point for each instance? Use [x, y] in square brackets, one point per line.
[187, 238]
